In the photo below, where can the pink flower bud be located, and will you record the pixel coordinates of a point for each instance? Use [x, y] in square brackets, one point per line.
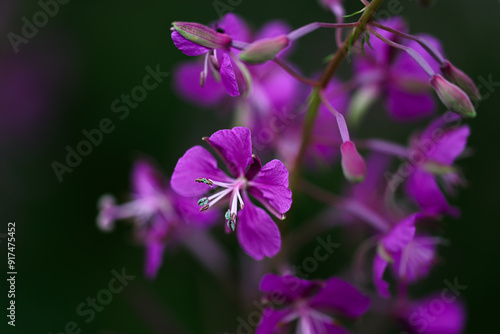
[264, 50]
[202, 35]
[452, 96]
[353, 165]
[461, 79]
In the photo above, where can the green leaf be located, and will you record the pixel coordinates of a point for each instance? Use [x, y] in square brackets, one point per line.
[356, 13]
[368, 39]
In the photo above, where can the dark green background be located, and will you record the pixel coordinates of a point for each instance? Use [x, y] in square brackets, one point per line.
[105, 45]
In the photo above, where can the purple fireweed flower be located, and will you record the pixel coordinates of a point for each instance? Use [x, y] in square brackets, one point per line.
[312, 303]
[411, 256]
[216, 48]
[196, 173]
[159, 215]
[440, 313]
[439, 147]
[273, 93]
[395, 75]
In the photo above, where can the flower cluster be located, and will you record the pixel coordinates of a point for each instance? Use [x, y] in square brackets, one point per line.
[391, 201]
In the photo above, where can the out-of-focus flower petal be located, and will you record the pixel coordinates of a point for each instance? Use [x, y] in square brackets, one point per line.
[379, 266]
[450, 145]
[271, 320]
[235, 26]
[423, 188]
[288, 287]
[406, 106]
[340, 296]
[187, 84]
[447, 315]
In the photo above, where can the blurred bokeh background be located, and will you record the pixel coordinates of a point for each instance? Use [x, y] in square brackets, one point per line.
[64, 79]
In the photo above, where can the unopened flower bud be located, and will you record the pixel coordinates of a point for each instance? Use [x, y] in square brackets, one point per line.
[353, 164]
[264, 50]
[453, 96]
[461, 79]
[202, 35]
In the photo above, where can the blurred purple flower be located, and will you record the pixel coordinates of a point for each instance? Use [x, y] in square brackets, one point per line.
[439, 148]
[311, 303]
[257, 233]
[159, 215]
[440, 313]
[259, 102]
[394, 74]
[220, 60]
[411, 256]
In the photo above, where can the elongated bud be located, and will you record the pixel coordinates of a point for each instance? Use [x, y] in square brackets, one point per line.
[426, 3]
[353, 164]
[462, 80]
[453, 97]
[264, 50]
[202, 35]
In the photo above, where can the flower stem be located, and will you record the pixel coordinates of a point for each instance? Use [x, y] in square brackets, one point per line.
[300, 32]
[353, 37]
[315, 98]
[295, 74]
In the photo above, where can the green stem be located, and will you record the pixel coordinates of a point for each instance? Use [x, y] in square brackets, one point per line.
[349, 41]
[315, 98]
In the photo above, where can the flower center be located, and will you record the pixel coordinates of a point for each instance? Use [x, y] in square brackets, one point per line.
[225, 188]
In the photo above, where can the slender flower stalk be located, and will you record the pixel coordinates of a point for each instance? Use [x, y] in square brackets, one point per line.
[307, 29]
[411, 52]
[384, 146]
[431, 49]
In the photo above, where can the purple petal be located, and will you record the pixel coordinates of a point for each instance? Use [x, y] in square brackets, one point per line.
[340, 296]
[234, 147]
[287, 287]
[400, 235]
[450, 146]
[271, 320]
[379, 266]
[196, 163]
[407, 106]
[228, 77]
[145, 179]
[186, 46]
[235, 27]
[273, 29]
[405, 66]
[154, 258]
[257, 233]
[187, 84]
[416, 260]
[324, 325]
[189, 212]
[272, 185]
[423, 188]
[254, 168]
[449, 320]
